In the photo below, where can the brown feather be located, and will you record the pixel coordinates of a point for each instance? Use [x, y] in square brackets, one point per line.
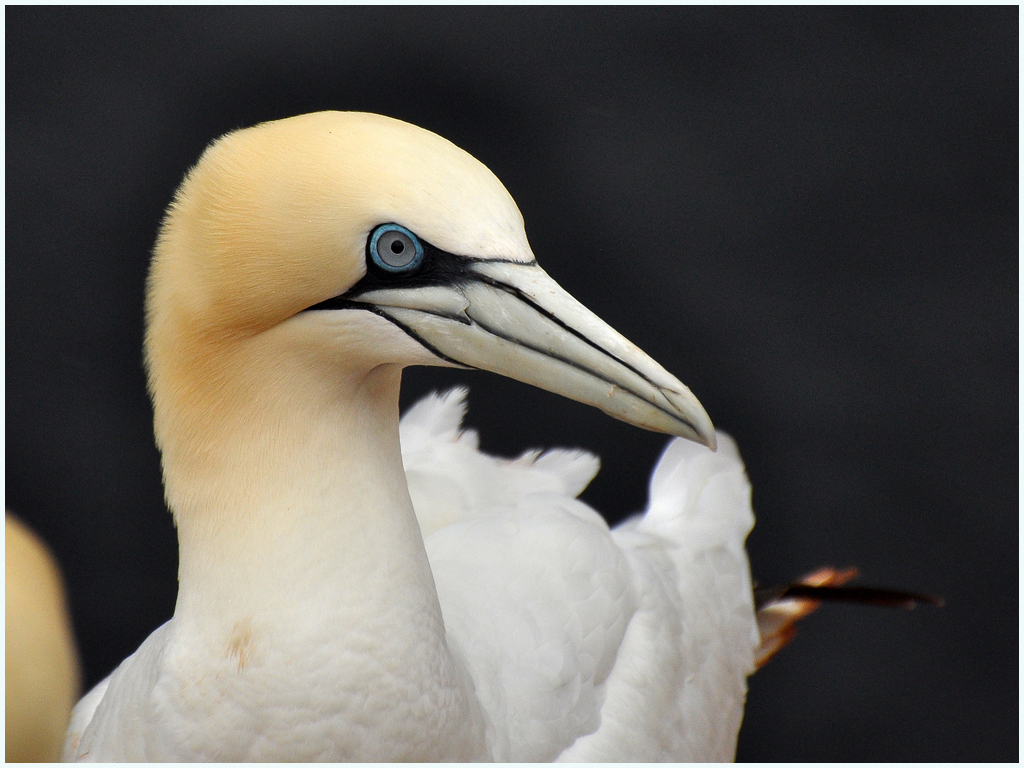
[780, 608]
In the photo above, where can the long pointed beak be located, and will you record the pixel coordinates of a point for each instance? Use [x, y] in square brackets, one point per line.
[512, 318]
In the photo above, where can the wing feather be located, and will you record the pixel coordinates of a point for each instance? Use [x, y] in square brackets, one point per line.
[451, 480]
[585, 643]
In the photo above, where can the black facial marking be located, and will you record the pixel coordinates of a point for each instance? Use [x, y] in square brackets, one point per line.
[438, 268]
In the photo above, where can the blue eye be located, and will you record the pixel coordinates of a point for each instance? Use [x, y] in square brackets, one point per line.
[394, 248]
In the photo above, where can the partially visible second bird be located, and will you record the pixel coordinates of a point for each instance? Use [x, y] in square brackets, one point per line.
[41, 677]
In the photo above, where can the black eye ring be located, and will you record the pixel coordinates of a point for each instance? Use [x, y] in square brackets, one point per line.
[395, 249]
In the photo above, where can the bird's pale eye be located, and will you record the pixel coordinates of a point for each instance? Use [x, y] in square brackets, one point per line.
[394, 248]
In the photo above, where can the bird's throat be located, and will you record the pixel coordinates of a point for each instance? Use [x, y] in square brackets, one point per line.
[297, 497]
[300, 549]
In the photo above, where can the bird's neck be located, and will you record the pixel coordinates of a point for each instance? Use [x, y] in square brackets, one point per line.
[298, 499]
[299, 546]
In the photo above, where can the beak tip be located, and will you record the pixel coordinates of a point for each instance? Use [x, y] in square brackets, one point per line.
[706, 430]
[711, 441]
[698, 426]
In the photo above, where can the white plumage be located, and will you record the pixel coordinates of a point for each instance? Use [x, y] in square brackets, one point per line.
[352, 589]
[590, 644]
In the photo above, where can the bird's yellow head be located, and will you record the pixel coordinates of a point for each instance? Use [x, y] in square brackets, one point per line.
[379, 243]
[275, 218]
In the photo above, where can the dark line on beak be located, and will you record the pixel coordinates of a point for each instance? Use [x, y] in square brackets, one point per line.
[516, 262]
[584, 369]
[340, 302]
[511, 289]
[416, 337]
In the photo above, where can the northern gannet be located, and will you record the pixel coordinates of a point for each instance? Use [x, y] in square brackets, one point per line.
[353, 589]
[41, 677]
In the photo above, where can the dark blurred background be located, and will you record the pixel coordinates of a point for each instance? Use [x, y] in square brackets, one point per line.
[809, 216]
